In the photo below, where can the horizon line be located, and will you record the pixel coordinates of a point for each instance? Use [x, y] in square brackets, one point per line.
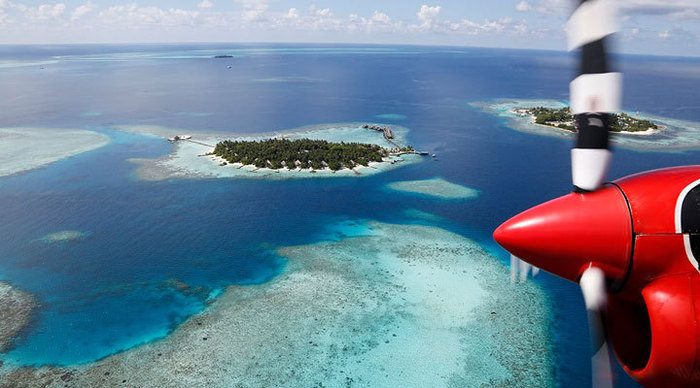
[253, 43]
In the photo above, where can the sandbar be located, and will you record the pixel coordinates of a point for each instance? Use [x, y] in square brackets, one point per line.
[673, 134]
[64, 235]
[435, 187]
[400, 306]
[189, 159]
[24, 149]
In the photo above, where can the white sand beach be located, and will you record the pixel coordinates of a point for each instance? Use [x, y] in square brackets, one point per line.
[190, 159]
[672, 135]
[24, 149]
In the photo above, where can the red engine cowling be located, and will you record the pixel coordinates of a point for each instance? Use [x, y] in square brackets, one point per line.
[643, 231]
[654, 319]
[657, 340]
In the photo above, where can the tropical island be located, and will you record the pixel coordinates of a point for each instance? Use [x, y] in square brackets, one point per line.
[279, 153]
[316, 151]
[563, 119]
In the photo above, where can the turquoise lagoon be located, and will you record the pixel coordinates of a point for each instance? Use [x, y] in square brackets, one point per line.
[151, 254]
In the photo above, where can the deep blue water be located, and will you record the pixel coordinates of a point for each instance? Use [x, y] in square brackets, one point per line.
[117, 287]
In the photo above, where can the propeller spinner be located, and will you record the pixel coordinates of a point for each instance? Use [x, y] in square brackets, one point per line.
[586, 236]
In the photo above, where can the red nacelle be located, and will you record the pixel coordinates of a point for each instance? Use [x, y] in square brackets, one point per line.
[644, 232]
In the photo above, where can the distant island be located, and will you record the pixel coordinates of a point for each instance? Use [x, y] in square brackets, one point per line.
[222, 56]
[303, 154]
[563, 119]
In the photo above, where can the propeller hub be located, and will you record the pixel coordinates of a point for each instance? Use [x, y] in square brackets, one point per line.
[565, 235]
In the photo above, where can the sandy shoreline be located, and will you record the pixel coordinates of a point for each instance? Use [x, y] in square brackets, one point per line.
[533, 120]
[24, 149]
[405, 305]
[357, 170]
[673, 135]
[190, 160]
[16, 309]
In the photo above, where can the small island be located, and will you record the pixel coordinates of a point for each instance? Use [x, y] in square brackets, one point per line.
[303, 154]
[563, 119]
[334, 150]
[650, 132]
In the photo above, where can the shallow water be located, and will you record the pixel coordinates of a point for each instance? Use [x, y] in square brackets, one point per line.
[672, 134]
[191, 159]
[122, 284]
[436, 187]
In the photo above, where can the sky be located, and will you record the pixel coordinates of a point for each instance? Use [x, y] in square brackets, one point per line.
[657, 27]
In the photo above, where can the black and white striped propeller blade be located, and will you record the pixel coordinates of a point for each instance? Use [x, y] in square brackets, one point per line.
[594, 294]
[595, 93]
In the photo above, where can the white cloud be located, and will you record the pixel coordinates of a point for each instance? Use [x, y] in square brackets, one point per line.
[521, 28]
[523, 6]
[686, 14]
[324, 13]
[293, 13]
[689, 9]
[131, 15]
[560, 7]
[43, 12]
[378, 22]
[630, 34]
[312, 19]
[430, 21]
[3, 15]
[680, 34]
[662, 7]
[380, 17]
[427, 15]
[254, 10]
[496, 25]
[324, 19]
[205, 4]
[504, 25]
[81, 11]
[256, 15]
[647, 35]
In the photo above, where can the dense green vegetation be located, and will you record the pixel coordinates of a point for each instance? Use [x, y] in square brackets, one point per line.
[303, 153]
[562, 118]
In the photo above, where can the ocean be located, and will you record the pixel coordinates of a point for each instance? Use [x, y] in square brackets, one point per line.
[118, 285]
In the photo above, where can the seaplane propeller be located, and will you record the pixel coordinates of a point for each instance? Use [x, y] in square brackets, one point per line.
[595, 94]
